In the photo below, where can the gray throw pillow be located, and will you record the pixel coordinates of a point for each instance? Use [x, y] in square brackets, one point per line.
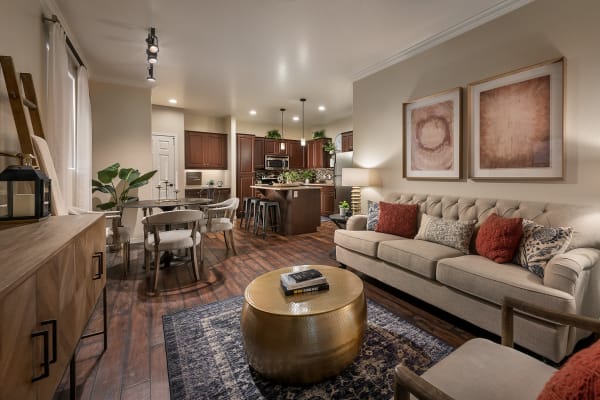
[455, 234]
[372, 215]
[539, 244]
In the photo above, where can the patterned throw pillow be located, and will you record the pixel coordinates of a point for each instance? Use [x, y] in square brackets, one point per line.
[498, 238]
[456, 234]
[398, 219]
[539, 244]
[372, 215]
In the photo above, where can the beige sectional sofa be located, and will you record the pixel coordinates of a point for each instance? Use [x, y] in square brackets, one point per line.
[471, 286]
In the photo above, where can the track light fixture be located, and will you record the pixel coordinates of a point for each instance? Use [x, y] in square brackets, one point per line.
[282, 143]
[303, 141]
[152, 41]
[152, 57]
[150, 76]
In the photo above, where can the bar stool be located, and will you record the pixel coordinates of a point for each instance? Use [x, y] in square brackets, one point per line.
[268, 216]
[252, 212]
[245, 214]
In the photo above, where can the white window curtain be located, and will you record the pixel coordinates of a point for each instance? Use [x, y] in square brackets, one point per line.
[59, 110]
[83, 181]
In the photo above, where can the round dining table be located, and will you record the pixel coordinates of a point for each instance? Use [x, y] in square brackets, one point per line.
[166, 205]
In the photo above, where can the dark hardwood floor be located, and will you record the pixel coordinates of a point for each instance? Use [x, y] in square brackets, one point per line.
[134, 365]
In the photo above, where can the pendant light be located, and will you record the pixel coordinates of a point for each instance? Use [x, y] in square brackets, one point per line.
[282, 143]
[303, 141]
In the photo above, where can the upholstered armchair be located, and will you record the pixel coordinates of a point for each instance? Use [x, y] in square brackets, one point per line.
[481, 369]
[219, 218]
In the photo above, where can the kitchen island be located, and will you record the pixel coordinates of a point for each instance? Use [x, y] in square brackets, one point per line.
[300, 206]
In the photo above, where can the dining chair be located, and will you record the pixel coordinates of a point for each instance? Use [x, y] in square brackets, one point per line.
[157, 240]
[117, 235]
[220, 218]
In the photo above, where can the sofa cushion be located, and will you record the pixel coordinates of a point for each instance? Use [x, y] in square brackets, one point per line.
[365, 242]
[481, 369]
[451, 233]
[398, 219]
[417, 256]
[578, 379]
[540, 243]
[498, 238]
[483, 278]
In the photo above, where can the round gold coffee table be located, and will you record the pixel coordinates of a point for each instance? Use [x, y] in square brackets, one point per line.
[303, 338]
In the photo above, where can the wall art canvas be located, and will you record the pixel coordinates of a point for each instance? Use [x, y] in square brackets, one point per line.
[432, 136]
[516, 124]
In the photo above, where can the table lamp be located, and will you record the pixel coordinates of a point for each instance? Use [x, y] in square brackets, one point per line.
[357, 178]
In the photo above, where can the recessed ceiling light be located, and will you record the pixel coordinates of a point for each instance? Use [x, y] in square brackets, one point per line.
[296, 118]
[321, 108]
[252, 112]
[173, 101]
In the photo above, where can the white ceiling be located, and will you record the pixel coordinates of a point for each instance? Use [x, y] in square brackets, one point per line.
[225, 57]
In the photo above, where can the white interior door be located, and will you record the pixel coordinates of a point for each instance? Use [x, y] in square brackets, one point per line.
[163, 160]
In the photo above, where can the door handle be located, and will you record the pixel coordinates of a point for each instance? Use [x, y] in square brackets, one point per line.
[52, 322]
[100, 256]
[46, 362]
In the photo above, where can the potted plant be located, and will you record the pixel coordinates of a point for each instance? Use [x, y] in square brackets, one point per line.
[291, 176]
[308, 175]
[344, 207]
[273, 134]
[211, 182]
[329, 147]
[319, 134]
[130, 178]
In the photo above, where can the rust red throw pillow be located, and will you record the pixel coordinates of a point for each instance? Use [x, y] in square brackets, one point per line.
[398, 219]
[578, 379]
[498, 238]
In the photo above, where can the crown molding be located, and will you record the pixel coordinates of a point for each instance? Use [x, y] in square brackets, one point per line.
[473, 22]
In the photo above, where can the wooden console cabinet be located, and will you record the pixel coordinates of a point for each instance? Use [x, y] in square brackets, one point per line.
[51, 276]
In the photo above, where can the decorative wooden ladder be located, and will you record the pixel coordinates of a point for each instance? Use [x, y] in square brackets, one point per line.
[17, 102]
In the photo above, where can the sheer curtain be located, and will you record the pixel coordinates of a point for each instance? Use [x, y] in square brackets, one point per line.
[59, 110]
[83, 180]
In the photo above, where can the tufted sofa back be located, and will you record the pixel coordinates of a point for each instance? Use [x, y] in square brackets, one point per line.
[584, 220]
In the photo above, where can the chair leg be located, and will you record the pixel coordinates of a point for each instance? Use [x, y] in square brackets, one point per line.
[146, 260]
[195, 263]
[126, 255]
[156, 269]
[232, 240]
[226, 240]
[202, 250]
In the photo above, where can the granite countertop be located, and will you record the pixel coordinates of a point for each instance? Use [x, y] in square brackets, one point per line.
[282, 188]
[318, 184]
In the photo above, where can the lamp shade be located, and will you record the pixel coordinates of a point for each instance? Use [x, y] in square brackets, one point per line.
[357, 177]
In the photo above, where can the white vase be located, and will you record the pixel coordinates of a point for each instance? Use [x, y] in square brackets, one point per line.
[343, 211]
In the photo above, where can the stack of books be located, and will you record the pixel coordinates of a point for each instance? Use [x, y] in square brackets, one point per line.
[306, 281]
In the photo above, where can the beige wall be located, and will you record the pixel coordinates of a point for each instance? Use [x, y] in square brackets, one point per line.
[291, 130]
[334, 128]
[23, 39]
[203, 123]
[539, 31]
[121, 123]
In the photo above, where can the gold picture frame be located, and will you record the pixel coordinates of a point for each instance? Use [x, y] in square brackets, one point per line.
[516, 124]
[432, 136]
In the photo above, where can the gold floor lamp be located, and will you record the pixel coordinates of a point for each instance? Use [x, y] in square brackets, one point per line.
[357, 178]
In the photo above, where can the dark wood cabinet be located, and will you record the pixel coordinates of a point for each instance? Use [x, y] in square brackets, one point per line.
[245, 166]
[273, 146]
[205, 150]
[327, 200]
[347, 141]
[316, 157]
[296, 154]
[259, 153]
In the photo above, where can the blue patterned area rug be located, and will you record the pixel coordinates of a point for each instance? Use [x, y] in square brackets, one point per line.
[206, 359]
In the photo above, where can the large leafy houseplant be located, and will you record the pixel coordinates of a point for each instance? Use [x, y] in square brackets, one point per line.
[130, 178]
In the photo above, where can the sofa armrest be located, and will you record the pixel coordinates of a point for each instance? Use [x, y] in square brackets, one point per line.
[407, 382]
[357, 223]
[563, 270]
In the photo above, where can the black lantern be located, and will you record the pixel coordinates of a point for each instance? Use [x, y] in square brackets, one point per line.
[24, 193]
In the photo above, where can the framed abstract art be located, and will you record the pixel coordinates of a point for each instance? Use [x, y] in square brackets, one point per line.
[432, 136]
[516, 124]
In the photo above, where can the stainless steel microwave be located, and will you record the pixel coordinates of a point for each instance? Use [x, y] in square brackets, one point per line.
[277, 162]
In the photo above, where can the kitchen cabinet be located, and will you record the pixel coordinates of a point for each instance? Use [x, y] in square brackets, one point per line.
[347, 141]
[316, 157]
[245, 166]
[205, 150]
[47, 298]
[259, 153]
[273, 146]
[296, 154]
[327, 200]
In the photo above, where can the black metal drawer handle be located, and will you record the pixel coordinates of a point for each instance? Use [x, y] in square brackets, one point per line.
[100, 256]
[46, 362]
[52, 322]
